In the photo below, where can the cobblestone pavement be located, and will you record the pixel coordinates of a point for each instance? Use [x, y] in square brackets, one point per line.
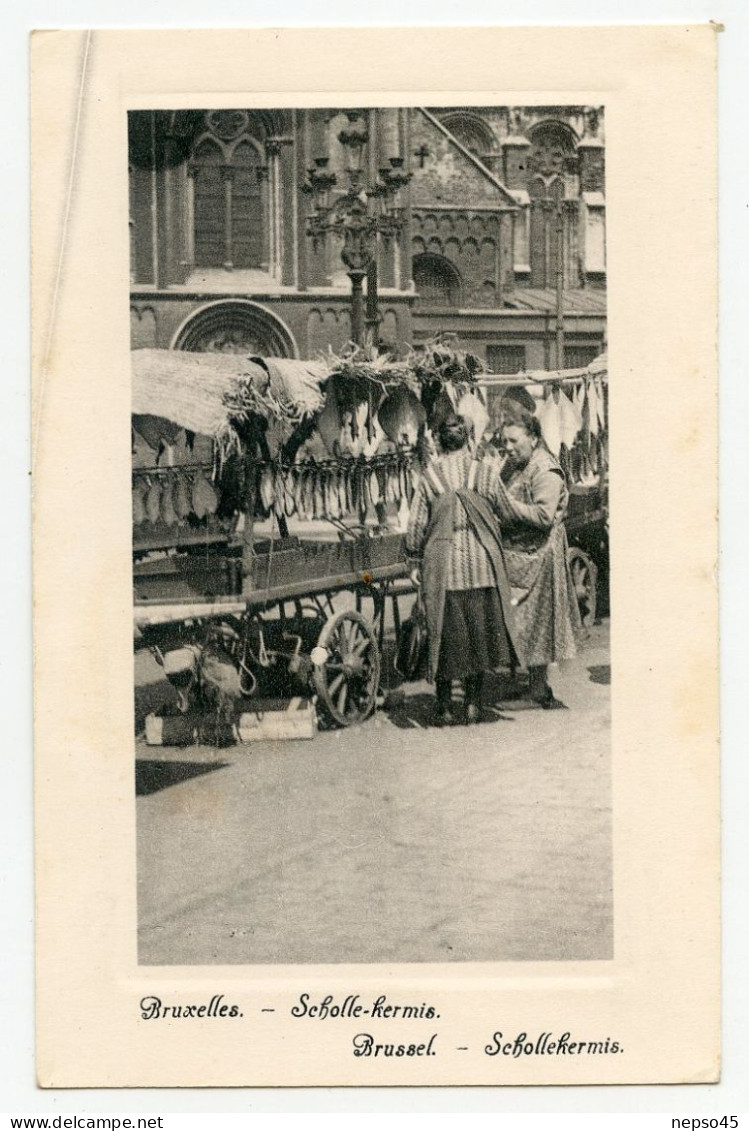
[393, 841]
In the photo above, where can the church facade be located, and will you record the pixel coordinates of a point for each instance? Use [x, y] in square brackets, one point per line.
[503, 214]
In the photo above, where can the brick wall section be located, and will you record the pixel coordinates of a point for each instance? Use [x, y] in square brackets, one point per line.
[448, 177]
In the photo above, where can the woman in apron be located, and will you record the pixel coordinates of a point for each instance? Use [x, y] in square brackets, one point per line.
[532, 502]
[453, 540]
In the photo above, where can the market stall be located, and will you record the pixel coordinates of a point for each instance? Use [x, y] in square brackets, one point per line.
[264, 487]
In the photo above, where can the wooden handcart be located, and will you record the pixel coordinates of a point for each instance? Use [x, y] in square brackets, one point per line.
[267, 604]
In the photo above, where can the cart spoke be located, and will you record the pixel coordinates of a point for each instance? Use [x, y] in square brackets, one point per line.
[336, 683]
[347, 680]
[362, 646]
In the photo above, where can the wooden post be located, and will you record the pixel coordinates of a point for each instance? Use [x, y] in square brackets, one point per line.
[248, 551]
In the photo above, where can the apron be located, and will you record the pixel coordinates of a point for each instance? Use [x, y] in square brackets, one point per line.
[437, 546]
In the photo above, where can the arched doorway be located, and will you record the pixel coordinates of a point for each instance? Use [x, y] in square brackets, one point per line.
[436, 280]
[236, 326]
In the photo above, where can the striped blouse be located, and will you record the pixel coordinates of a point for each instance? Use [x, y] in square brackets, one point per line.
[469, 566]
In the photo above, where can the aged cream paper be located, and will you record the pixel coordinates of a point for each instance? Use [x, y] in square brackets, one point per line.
[658, 998]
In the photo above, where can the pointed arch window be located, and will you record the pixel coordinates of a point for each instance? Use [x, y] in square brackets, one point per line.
[228, 204]
[472, 132]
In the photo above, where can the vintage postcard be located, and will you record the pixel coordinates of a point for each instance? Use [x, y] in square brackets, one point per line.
[375, 478]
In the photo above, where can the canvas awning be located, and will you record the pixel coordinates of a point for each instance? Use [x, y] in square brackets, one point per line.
[201, 391]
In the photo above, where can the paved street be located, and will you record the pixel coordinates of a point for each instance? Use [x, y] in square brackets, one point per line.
[392, 841]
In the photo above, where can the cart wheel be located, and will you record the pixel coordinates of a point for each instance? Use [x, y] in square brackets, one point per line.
[585, 580]
[347, 678]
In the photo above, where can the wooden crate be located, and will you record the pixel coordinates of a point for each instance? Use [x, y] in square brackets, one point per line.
[278, 719]
[270, 720]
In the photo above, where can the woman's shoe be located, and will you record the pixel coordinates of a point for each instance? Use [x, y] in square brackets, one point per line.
[473, 714]
[443, 716]
[549, 702]
[444, 713]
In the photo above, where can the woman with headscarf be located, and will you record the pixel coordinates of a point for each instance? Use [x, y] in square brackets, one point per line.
[453, 538]
[532, 502]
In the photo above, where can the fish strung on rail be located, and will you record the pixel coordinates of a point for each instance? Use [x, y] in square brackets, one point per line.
[139, 509]
[267, 487]
[289, 501]
[330, 421]
[402, 416]
[168, 513]
[182, 498]
[331, 495]
[472, 408]
[374, 488]
[204, 498]
[153, 502]
[297, 479]
[364, 499]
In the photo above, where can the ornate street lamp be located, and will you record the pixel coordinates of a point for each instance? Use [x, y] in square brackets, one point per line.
[358, 215]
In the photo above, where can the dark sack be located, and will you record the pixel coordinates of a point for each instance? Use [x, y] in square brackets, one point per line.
[413, 644]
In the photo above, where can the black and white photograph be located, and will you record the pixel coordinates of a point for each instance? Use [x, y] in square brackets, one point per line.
[370, 534]
[376, 709]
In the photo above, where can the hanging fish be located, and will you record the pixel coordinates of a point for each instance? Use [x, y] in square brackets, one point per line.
[402, 481]
[393, 487]
[472, 408]
[382, 481]
[155, 429]
[363, 495]
[139, 509]
[289, 505]
[348, 481]
[374, 488]
[601, 407]
[331, 497]
[204, 500]
[168, 513]
[402, 416]
[318, 497]
[404, 512]
[182, 498]
[442, 408]
[267, 487]
[373, 438]
[341, 491]
[330, 420]
[559, 421]
[153, 502]
[308, 493]
[298, 486]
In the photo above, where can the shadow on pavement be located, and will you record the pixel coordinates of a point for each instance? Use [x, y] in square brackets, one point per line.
[600, 673]
[150, 698]
[416, 712]
[150, 777]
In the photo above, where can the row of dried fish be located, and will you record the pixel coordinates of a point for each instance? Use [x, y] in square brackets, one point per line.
[173, 498]
[337, 490]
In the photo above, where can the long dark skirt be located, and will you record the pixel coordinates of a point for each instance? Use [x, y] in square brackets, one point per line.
[474, 637]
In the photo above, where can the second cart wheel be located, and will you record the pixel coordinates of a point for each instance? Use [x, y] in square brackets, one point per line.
[347, 675]
[585, 581]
